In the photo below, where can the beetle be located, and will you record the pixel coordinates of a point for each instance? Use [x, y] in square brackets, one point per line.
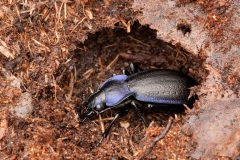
[128, 90]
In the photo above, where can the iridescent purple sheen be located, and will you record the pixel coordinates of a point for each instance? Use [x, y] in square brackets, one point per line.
[116, 90]
[120, 77]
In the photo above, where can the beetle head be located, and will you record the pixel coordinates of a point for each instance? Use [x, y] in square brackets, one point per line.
[96, 101]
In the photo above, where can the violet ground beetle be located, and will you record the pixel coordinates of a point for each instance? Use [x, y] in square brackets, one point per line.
[154, 87]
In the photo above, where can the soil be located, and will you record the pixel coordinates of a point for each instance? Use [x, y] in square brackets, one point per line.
[54, 55]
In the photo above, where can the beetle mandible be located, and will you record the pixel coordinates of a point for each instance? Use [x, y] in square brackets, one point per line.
[155, 87]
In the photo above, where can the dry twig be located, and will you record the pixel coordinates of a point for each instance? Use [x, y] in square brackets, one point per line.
[158, 138]
[139, 41]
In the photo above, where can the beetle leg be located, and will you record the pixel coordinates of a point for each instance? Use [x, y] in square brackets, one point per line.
[113, 107]
[126, 72]
[151, 105]
[139, 112]
[135, 68]
[117, 116]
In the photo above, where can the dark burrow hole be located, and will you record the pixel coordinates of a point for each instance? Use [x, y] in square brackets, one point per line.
[184, 27]
[112, 50]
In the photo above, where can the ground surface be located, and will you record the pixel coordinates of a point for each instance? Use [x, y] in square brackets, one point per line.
[53, 55]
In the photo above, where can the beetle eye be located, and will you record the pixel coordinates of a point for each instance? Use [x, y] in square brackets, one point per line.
[98, 107]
